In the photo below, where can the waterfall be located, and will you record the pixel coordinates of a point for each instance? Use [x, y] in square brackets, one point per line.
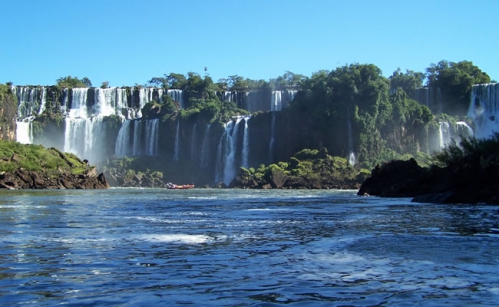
[226, 169]
[136, 138]
[177, 136]
[152, 137]
[205, 148]
[245, 153]
[219, 166]
[177, 96]
[230, 170]
[484, 109]
[194, 142]
[272, 139]
[430, 97]
[351, 154]
[109, 101]
[444, 134]
[122, 140]
[24, 133]
[464, 130]
[276, 101]
[30, 100]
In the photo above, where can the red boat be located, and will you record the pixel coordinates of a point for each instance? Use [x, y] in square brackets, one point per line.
[173, 186]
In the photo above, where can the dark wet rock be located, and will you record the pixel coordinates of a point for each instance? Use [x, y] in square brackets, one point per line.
[22, 179]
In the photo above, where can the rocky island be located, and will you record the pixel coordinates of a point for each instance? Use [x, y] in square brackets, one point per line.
[467, 172]
[35, 167]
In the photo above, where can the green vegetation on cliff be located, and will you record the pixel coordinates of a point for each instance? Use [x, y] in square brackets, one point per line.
[8, 110]
[307, 169]
[14, 155]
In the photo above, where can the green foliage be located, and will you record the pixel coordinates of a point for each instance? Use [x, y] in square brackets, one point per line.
[35, 158]
[306, 154]
[408, 81]
[71, 82]
[471, 152]
[113, 121]
[455, 81]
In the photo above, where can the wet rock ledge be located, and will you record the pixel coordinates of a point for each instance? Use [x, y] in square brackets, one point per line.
[23, 179]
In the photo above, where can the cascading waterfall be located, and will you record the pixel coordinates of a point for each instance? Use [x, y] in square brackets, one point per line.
[194, 142]
[226, 169]
[484, 109]
[276, 101]
[122, 140]
[136, 145]
[464, 130]
[272, 139]
[205, 148]
[152, 137]
[24, 133]
[230, 170]
[444, 134]
[30, 101]
[177, 95]
[177, 145]
[430, 97]
[246, 141]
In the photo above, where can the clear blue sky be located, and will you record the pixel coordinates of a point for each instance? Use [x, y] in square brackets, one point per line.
[127, 42]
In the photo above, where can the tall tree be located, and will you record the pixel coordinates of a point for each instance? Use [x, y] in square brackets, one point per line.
[455, 81]
[70, 82]
[408, 81]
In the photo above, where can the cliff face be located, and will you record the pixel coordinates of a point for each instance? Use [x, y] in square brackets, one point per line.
[8, 110]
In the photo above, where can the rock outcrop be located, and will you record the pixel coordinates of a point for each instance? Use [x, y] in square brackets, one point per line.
[22, 179]
[462, 183]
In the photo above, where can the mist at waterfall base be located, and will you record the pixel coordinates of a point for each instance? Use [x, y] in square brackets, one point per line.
[235, 247]
[217, 152]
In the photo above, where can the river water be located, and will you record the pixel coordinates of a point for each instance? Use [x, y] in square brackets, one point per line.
[211, 247]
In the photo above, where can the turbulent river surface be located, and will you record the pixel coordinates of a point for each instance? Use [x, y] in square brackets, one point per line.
[211, 247]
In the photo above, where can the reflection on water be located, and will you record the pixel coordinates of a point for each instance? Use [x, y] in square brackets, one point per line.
[131, 247]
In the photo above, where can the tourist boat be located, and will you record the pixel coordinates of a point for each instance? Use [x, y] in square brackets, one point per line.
[173, 186]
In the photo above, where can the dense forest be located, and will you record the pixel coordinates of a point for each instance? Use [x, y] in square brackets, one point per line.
[350, 109]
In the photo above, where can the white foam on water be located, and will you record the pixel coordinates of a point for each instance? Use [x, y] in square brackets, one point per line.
[176, 238]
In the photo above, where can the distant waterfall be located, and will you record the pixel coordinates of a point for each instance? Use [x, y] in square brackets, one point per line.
[136, 138]
[444, 134]
[24, 133]
[351, 154]
[484, 109]
[205, 148]
[272, 139]
[463, 130]
[82, 137]
[123, 140]
[276, 101]
[177, 145]
[430, 97]
[246, 147]
[129, 141]
[152, 137]
[230, 170]
[177, 95]
[30, 100]
[194, 142]
[226, 169]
